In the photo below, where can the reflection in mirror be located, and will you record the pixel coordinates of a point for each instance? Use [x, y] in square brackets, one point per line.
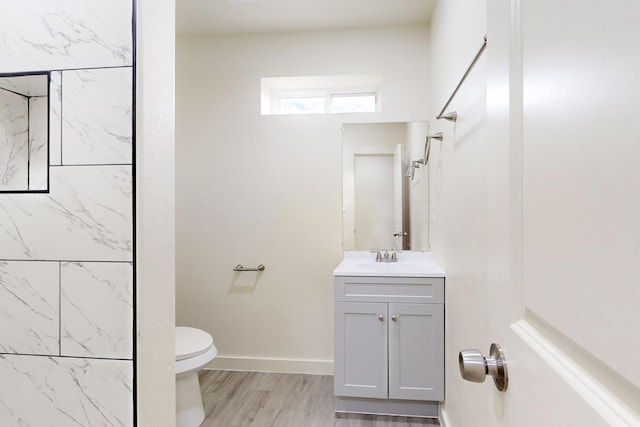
[24, 132]
[383, 207]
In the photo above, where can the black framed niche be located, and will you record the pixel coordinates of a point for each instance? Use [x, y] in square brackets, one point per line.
[24, 132]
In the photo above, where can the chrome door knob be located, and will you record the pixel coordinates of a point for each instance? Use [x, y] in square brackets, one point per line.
[475, 367]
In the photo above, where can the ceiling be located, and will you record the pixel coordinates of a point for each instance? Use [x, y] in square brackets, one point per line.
[208, 17]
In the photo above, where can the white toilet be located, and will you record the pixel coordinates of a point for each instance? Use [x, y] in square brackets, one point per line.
[194, 350]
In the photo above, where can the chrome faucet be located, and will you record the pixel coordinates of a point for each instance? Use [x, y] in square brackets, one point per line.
[386, 257]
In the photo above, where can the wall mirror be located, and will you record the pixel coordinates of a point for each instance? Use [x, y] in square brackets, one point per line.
[385, 191]
[24, 132]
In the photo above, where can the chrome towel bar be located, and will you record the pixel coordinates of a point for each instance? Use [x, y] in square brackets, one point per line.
[453, 116]
[240, 267]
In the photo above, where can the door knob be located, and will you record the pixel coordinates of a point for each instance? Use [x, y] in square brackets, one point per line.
[475, 367]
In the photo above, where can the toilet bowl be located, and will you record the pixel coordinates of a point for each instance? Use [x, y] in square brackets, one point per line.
[194, 350]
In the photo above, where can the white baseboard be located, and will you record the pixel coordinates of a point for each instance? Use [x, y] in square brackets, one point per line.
[256, 364]
[443, 418]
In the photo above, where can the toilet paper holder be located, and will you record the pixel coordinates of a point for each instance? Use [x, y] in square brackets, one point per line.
[240, 267]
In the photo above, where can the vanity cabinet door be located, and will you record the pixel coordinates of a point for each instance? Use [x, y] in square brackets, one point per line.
[360, 349]
[416, 351]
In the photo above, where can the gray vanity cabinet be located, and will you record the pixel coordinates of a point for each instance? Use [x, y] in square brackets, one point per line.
[360, 367]
[416, 351]
[389, 344]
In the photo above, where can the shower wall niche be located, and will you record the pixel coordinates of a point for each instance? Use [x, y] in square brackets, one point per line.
[24, 132]
[67, 203]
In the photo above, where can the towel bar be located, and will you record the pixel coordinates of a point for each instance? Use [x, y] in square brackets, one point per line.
[240, 267]
[453, 116]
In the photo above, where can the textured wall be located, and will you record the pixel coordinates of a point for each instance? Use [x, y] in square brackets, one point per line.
[66, 257]
[155, 213]
[257, 189]
[458, 197]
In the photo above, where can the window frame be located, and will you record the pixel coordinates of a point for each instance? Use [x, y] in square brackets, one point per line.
[313, 87]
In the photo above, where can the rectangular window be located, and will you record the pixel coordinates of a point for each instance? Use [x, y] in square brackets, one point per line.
[312, 105]
[320, 94]
[353, 103]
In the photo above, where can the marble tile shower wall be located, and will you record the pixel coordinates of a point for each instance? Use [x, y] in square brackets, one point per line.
[38, 142]
[14, 128]
[23, 142]
[66, 256]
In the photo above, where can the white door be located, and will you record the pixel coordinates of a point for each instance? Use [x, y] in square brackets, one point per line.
[564, 200]
[373, 201]
[398, 203]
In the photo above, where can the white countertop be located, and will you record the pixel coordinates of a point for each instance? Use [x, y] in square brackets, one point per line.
[410, 264]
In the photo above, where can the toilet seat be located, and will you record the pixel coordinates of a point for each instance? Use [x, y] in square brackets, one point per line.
[191, 342]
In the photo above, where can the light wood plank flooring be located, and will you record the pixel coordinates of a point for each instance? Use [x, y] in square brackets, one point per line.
[254, 399]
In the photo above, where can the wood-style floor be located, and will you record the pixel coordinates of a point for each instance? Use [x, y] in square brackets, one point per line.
[254, 399]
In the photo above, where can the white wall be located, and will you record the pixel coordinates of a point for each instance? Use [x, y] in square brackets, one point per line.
[155, 213]
[257, 189]
[458, 198]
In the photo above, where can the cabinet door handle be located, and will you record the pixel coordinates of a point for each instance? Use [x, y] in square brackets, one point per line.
[380, 317]
[394, 318]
